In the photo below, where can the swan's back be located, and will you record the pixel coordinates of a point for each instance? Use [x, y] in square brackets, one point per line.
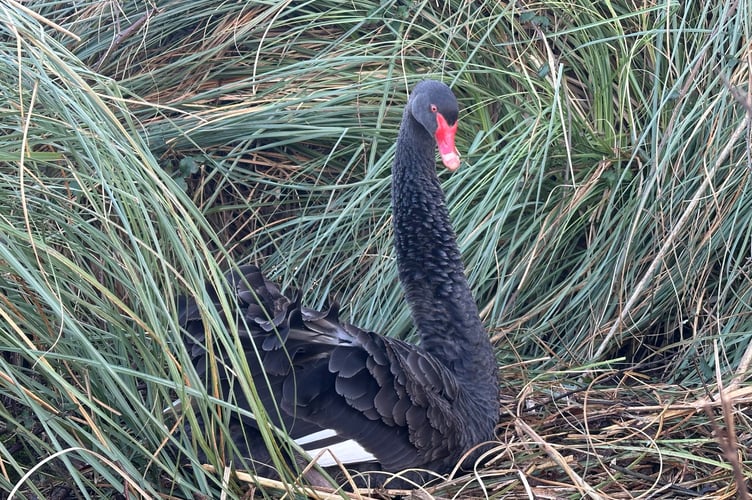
[333, 382]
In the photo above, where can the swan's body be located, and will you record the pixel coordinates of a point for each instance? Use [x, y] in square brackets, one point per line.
[393, 404]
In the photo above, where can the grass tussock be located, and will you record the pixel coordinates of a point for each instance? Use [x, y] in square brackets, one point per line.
[604, 212]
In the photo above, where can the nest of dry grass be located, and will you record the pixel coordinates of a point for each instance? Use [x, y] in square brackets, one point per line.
[600, 433]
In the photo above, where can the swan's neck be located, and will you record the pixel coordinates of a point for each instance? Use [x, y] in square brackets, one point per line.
[429, 262]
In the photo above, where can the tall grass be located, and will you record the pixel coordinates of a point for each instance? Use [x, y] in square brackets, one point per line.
[603, 209]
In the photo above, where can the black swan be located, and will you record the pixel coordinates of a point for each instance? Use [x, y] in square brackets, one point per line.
[366, 397]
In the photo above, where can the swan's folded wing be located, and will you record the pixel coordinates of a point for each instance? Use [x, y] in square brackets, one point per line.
[332, 379]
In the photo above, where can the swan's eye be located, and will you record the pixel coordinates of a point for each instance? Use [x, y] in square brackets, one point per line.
[434, 109]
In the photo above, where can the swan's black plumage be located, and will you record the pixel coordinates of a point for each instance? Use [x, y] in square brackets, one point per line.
[409, 406]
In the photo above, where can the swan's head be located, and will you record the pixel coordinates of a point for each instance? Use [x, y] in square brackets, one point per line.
[434, 106]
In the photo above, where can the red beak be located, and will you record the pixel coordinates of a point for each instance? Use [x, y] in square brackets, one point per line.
[450, 157]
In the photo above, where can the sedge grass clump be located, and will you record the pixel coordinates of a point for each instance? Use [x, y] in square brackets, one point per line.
[603, 212]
